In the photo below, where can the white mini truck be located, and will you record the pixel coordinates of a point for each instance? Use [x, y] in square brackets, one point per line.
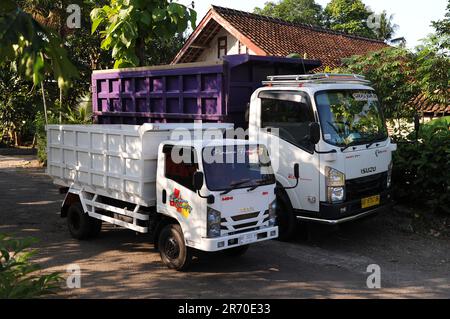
[140, 178]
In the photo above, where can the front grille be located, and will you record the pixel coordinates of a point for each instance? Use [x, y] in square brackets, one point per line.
[365, 186]
[243, 222]
[244, 216]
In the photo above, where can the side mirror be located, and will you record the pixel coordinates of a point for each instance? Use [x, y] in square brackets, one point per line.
[297, 171]
[314, 133]
[416, 122]
[198, 180]
[210, 199]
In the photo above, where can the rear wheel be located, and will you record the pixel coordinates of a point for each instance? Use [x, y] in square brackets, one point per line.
[172, 248]
[286, 221]
[236, 251]
[81, 225]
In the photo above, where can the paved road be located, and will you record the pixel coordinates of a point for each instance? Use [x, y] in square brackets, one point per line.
[331, 264]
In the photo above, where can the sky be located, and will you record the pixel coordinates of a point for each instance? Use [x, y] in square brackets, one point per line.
[412, 16]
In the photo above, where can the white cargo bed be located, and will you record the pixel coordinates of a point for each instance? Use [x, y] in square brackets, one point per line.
[117, 161]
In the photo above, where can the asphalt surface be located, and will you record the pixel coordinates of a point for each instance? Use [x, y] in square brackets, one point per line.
[330, 263]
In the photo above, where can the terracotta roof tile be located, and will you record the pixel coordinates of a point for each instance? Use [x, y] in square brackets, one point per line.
[281, 38]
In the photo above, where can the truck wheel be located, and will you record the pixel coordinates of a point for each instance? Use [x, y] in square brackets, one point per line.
[236, 251]
[286, 221]
[172, 248]
[96, 227]
[81, 225]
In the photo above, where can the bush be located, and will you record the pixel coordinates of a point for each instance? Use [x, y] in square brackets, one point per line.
[17, 272]
[421, 173]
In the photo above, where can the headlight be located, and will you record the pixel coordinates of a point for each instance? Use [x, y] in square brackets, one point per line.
[335, 183]
[213, 219]
[336, 194]
[389, 176]
[272, 213]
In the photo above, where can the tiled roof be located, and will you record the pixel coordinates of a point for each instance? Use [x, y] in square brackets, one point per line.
[424, 105]
[280, 38]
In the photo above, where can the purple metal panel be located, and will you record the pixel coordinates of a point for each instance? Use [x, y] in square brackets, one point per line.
[211, 93]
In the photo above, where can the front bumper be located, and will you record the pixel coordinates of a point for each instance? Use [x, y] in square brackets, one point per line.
[340, 213]
[236, 240]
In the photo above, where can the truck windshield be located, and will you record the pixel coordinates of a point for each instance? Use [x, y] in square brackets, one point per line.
[237, 166]
[350, 117]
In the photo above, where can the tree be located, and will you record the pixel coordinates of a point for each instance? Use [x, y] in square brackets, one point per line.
[354, 17]
[442, 28]
[35, 49]
[393, 73]
[300, 11]
[128, 25]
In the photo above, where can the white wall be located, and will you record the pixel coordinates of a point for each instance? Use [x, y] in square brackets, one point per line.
[210, 54]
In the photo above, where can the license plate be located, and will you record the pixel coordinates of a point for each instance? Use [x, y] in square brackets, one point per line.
[247, 238]
[370, 201]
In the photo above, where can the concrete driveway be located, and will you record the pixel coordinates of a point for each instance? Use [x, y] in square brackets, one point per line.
[122, 264]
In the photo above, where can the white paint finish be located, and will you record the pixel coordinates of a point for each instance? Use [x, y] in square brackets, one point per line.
[210, 54]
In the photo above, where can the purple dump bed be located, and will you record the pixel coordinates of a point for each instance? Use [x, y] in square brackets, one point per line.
[211, 92]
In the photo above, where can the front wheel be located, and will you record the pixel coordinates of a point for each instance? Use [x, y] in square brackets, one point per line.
[172, 248]
[286, 220]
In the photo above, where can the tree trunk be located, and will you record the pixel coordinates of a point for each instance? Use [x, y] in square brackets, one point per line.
[140, 49]
[60, 105]
[45, 103]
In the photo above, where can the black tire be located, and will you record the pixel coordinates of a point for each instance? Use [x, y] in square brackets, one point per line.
[172, 248]
[286, 220]
[96, 227]
[81, 226]
[236, 251]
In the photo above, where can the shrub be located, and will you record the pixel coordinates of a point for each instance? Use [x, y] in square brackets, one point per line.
[421, 172]
[17, 272]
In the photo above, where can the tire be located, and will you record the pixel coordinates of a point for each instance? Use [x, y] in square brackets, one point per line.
[286, 221]
[236, 251]
[81, 225]
[172, 248]
[96, 227]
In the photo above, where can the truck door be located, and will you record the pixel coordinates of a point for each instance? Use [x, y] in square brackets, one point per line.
[181, 201]
[290, 113]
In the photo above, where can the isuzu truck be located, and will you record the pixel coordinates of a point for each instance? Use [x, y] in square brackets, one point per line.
[191, 194]
[332, 125]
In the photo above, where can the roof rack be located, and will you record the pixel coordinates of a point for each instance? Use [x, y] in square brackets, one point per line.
[287, 80]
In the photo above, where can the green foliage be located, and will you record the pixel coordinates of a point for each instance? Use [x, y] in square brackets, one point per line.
[35, 49]
[442, 28]
[421, 175]
[18, 277]
[300, 11]
[127, 25]
[18, 105]
[351, 16]
[393, 73]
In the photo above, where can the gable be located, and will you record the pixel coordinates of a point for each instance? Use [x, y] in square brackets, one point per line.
[267, 36]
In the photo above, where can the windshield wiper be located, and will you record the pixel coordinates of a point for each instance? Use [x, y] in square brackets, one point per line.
[258, 182]
[348, 146]
[375, 140]
[233, 185]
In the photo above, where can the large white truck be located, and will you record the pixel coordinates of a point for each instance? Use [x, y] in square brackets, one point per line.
[333, 126]
[132, 176]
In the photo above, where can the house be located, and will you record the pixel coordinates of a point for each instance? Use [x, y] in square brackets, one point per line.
[226, 31]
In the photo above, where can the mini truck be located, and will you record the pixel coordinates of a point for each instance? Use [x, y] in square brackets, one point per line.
[331, 124]
[132, 176]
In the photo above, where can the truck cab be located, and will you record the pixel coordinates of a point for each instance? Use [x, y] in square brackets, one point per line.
[221, 193]
[333, 125]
